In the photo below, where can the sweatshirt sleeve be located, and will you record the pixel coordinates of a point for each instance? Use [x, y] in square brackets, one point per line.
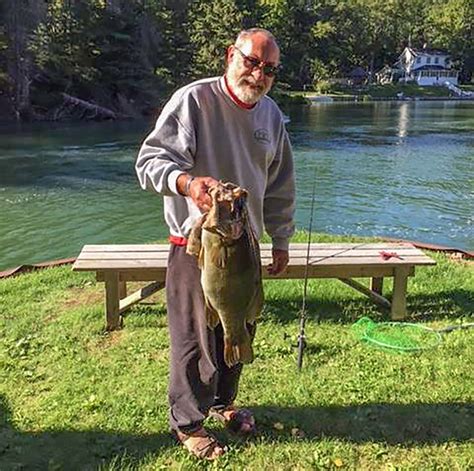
[279, 203]
[166, 153]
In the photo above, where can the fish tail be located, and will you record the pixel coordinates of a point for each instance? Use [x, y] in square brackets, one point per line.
[238, 350]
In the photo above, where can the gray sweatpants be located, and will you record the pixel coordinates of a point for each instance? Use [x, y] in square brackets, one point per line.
[199, 378]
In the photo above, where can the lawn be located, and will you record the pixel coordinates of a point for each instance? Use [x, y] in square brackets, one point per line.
[408, 90]
[74, 397]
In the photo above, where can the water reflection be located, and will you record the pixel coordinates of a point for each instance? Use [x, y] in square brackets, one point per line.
[403, 120]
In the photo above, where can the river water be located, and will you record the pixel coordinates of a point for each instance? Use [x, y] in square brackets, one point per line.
[396, 169]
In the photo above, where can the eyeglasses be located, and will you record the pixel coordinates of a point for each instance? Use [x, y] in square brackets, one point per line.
[253, 63]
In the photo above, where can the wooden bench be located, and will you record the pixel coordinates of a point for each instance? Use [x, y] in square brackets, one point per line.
[117, 264]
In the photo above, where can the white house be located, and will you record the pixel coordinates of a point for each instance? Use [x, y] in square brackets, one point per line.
[426, 67]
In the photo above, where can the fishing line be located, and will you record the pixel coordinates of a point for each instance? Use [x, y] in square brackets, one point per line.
[303, 313]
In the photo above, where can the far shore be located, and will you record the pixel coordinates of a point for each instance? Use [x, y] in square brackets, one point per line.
[356, 98]
[389, 92]
[284, 96]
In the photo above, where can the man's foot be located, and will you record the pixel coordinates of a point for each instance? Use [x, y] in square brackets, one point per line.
[236, 420]
[201, 444]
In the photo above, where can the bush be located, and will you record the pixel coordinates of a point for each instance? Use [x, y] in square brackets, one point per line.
[323, 86]
[283, 99]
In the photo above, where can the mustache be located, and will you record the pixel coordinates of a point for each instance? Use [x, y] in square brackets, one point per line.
[253, 83]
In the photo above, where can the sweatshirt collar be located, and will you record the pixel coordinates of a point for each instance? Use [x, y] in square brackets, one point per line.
[235, 99]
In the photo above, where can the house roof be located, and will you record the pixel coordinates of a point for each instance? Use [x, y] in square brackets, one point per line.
[427, 51]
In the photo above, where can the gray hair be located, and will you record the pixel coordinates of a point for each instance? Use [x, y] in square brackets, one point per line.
[247, 33]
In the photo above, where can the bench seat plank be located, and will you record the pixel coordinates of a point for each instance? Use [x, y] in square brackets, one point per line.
[294, 246]
[294, 254]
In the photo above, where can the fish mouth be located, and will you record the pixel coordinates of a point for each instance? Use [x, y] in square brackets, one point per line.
[228, 220]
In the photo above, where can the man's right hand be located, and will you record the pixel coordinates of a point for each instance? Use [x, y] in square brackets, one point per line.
[197, 190]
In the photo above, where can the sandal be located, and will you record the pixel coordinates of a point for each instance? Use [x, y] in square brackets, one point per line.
[239, 421]
[201, 444]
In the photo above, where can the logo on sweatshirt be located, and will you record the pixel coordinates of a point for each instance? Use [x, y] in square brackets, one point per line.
[261, 135]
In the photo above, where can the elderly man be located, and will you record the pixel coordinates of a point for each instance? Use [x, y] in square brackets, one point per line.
[221, 128]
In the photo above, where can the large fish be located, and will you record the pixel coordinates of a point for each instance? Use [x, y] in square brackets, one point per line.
[231, 278]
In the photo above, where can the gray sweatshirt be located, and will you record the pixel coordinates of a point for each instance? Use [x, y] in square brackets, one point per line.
[203, 132]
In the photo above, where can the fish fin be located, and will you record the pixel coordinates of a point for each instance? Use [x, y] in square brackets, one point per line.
[211, 315]
[201, 258]
[212, 219]
[238, 350]
[254, 246]
[193, 246]
[218, 256]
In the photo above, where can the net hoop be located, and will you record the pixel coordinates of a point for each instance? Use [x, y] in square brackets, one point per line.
[402, 337]
[433, 333]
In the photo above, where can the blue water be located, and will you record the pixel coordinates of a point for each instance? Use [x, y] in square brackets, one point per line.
[392, 169]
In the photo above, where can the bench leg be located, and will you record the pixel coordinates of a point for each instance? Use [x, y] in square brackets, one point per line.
[140, 295]
[112, 301]
[376, 285]
[399, 300]
[122, 289]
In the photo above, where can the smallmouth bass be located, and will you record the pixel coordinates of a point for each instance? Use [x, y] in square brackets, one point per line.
[229, 257]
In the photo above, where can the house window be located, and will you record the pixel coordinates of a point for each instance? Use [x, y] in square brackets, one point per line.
[418, 60]
[436, 60]
[428, 60]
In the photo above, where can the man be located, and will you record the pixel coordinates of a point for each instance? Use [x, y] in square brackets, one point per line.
[222, 128]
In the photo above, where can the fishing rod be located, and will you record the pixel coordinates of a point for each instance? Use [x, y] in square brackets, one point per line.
[301, 335]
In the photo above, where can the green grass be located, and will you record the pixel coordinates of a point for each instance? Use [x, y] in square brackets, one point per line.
[73, 397]
[409, 90]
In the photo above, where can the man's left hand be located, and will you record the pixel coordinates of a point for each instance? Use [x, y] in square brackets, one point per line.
[279, 263]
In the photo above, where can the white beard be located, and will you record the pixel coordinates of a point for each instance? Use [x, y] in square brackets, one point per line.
[243, 90]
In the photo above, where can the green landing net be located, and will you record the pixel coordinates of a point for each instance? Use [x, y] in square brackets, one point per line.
[396, 336]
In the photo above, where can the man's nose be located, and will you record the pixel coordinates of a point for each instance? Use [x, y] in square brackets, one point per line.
[258, 74]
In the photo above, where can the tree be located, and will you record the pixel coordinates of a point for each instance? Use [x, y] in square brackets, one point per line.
[251, 13]
[165, 39]
[126, 55]
[20, 19]
[62, 47]
[212, 27]
[292, 22]
[112, 53]
[450, 26]
[4, 81]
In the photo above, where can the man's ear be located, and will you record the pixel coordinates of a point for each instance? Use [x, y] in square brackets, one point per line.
[230, 53]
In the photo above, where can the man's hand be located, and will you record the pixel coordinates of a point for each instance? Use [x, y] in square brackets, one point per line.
[196, 189]
[279, 263]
